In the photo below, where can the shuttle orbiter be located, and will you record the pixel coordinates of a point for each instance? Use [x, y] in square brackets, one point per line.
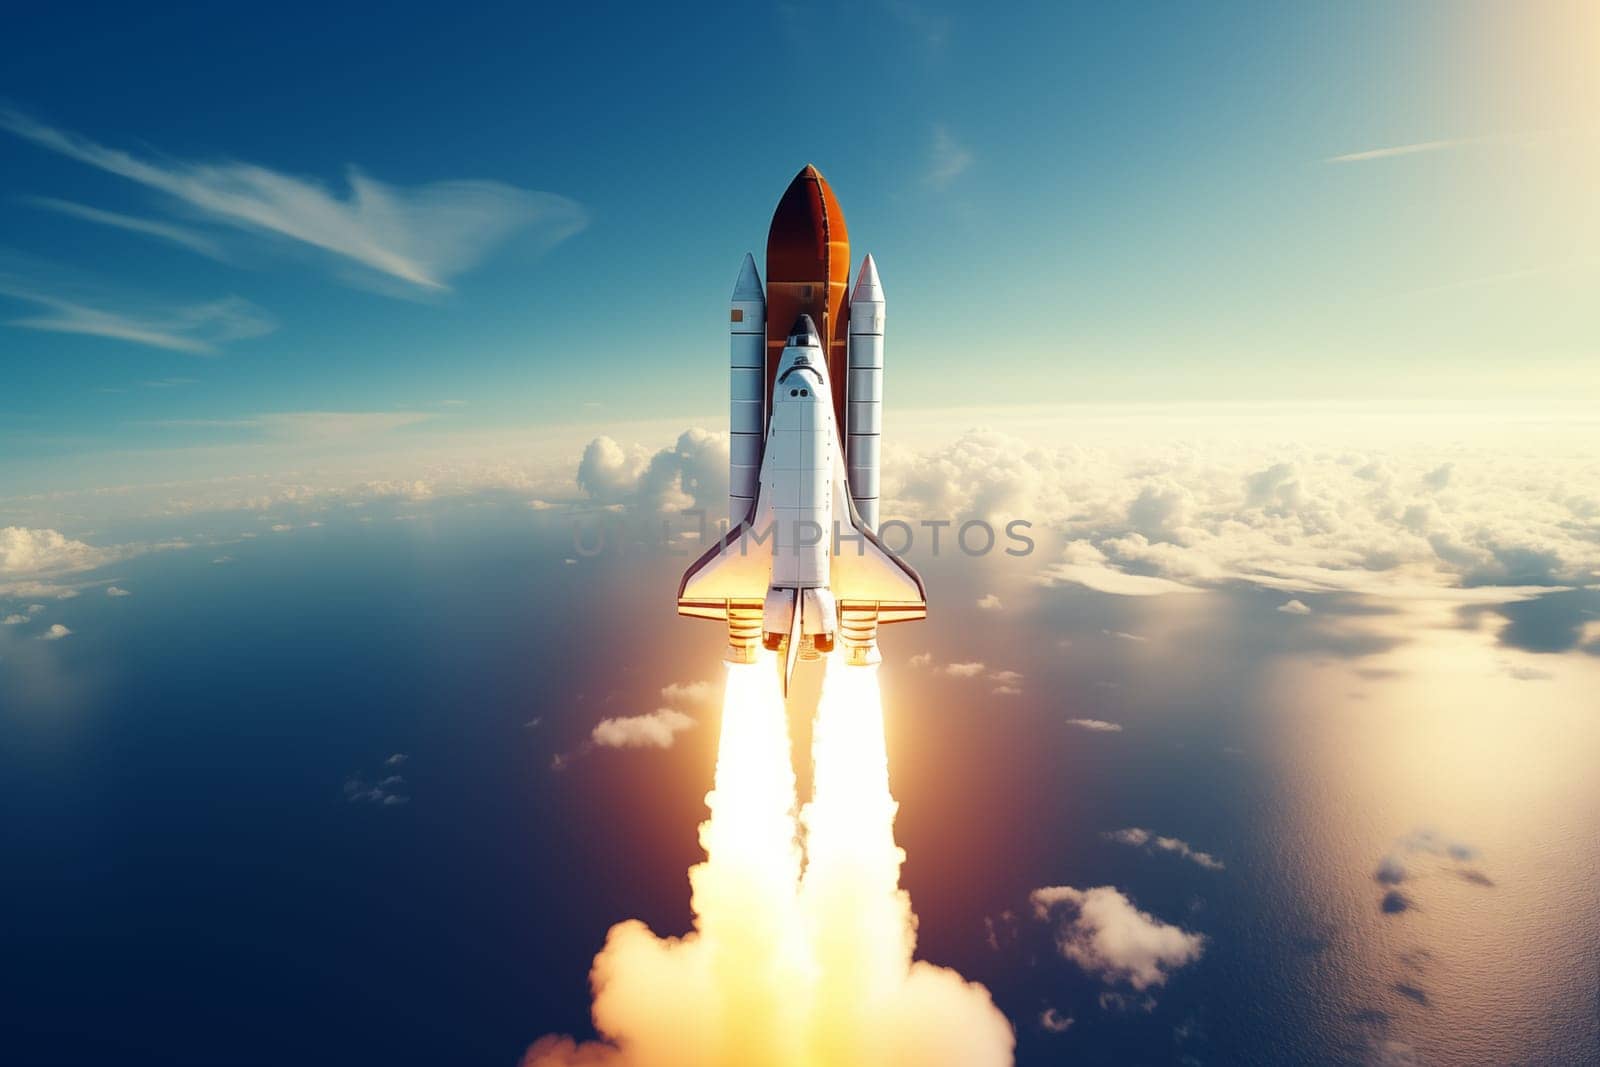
[801, 567]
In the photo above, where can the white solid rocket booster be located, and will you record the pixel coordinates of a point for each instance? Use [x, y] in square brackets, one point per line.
[864, 392]
[747, 390]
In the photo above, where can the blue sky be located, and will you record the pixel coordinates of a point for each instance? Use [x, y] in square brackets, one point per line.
[1115, 205]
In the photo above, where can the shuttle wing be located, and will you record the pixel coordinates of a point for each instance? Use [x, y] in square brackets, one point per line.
[736, 568]
[866, 575]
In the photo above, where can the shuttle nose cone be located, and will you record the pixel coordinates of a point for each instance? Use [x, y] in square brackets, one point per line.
[803, 334]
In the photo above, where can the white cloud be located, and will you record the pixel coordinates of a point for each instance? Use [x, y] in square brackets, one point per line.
[198, 329]
[1275, 488]
[1126, 1003]
[422, 236]
[1393, 517]
[1407, 149]
[328, 425]
[1084, 564]
[48, 588]
[13, 620]
[689, 694]
[948, 159]
[1055, 1022]
[1294, 607]
[1096, 725]
[1181, 848]
[1006, 683]
[692, 473]
[1121, 635]
[31, 551]
[384, 793]
[983, 474]
[989, 602]
[1139, 837]
[116, 590]
[1000, 930]
[1102, 932]
[165, 231]
[396, 760]
[321, 426]
[1439, 477]
[656, 730]
[55, 633]
[1162, 512]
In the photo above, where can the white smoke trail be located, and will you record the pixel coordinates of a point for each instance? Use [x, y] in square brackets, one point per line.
[785, 970]
[873, 1004]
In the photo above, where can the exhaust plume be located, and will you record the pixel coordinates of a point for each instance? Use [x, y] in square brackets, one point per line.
[788, 967]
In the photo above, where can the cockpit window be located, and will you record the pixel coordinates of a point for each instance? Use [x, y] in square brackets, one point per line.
[801, 368]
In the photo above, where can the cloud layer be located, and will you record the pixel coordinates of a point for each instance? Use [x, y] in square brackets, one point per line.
[1396, 516]
[1154, 518]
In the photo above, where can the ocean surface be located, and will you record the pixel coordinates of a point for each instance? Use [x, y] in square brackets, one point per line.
[324, 795]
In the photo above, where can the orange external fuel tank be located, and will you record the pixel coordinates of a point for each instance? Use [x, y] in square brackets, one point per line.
[808, 273]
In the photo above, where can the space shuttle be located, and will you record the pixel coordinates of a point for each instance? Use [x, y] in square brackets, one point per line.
[801, 570]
